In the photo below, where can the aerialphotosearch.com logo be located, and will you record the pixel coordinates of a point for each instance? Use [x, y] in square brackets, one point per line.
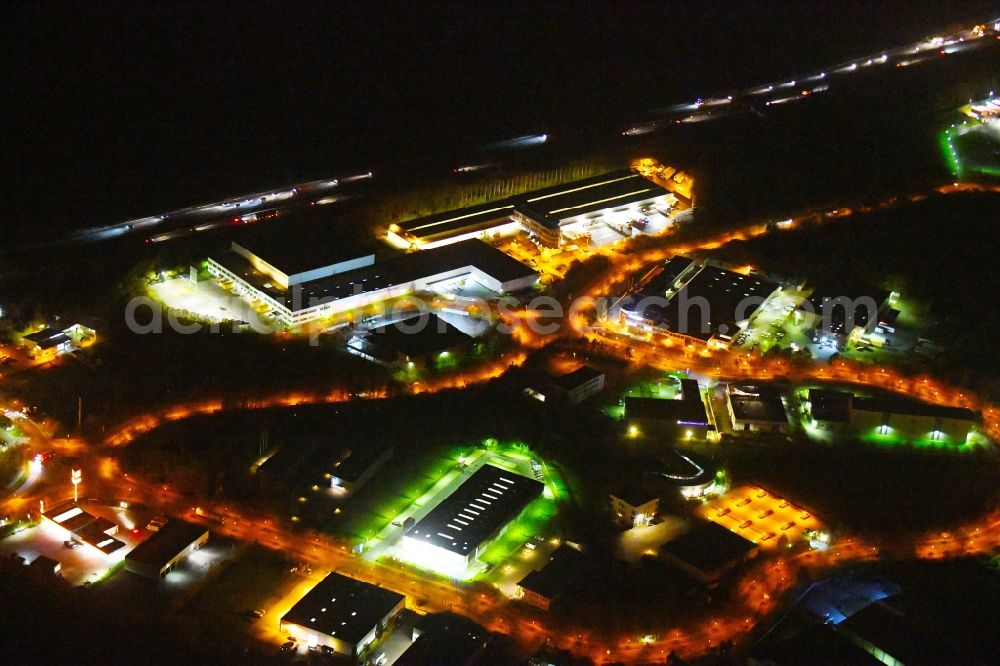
[541, 315]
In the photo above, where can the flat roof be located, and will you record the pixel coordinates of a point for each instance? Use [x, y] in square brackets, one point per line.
[686, 410]
[358, 460]
[411, 338]
[555, 577]
[164, 544]
[838, 313]
[709, 547]
[635, 496]
[302, 239]
[830, 405]
[618, 188]
[895, 633]
[472, 218]
[400, 269]
[912, 408]
[476, 510]
[581, 375]
[343, 607]
[720, 292]
[756, 403]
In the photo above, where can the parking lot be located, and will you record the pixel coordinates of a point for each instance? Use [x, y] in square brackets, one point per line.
[206, 300]
[761, 517]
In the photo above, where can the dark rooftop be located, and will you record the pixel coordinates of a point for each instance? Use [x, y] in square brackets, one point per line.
[302, 240]
[830, 405]
[900, 637]
[358, 460]
[164, 544]
[343, 607]
[757, 404]
[476, 510]
[688, 410]
[447, 638]
[556, 576]
[581, 375]
[635, 496]
[863, 310]
[721, 292]
[552, 204]
[47, 338]
[912, 408]
[708, 547]
[413, 337]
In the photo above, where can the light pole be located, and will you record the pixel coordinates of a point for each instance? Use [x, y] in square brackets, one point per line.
[75, 477]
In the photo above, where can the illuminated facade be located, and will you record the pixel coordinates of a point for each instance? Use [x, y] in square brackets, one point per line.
[344, 614]
[912, 421]
[457, 530]
[307, 298]
[633, 508]
[553, 215]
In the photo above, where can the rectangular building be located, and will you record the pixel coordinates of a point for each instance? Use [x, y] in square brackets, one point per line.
[541, 588]
[687, 415]
[580, 384]
[309, 300]
[697, 304]
[165, 548]
[553, 215]
[829, 409]
[345, 614]
[633, 507]
[755, 408]
[456, 530]
[708, 552]
[912, 421]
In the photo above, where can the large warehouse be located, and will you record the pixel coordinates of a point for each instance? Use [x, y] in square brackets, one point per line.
[552, 215]
[697, 303]
[455, 532]
[309, 292]
[911, 420]
[344, 614]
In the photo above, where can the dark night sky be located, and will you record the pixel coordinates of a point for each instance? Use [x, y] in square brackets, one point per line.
[119, 109]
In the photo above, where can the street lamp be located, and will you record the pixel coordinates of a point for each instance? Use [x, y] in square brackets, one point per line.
[75, 478]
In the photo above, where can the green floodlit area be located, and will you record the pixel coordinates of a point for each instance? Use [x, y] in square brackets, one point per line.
[973, 443]
[379, 532]
[972, 148]
[663, 387]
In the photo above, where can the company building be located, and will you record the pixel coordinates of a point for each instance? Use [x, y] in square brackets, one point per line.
[304, 292]
[86, 528]
[542, 588]
[708, 552]
[687, 415]
[754, 408]
[345, 614]
[165, 548]
[634, 507]
[697, 304]
[615, 201]
[457, 530]
[913, 421]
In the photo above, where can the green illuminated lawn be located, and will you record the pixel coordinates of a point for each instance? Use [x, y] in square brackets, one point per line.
[955, 157]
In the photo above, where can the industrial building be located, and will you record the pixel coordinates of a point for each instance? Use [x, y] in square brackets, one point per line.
[846, 317]
[542, 588]
[344, 614]
[708, 552]
[358, 466]
[754, 409]
[912, 421]
[455, 531]
[695, 303]
[687, 415]
[165, 548]
[85, 527]
[616, 203]
[307, 292]
[829, 409]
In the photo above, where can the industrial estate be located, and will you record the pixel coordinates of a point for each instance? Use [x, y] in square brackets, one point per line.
[566, 425]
